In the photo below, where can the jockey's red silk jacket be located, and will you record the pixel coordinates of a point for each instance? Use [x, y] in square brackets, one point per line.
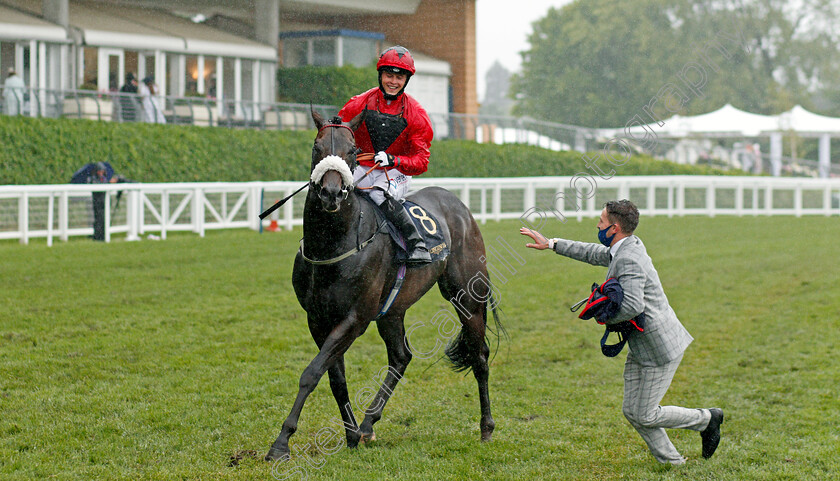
[412, 145]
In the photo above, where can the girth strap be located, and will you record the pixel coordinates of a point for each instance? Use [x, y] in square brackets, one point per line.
[393, 294]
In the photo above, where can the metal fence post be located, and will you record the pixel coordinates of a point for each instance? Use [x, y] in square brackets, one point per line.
[63, 216]
[198, 211]
[710, 199]
[164, 213]
[797, 200]
[50, 205]
[108, 216]
[827, 199]
[132, 217]
[23, 218]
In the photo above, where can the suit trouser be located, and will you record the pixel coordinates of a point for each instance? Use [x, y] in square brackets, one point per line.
[644, 388]
[99, 199]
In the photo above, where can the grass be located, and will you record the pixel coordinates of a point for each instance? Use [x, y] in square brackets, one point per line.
[160, 360]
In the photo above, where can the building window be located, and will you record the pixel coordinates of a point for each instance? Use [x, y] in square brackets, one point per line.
[191, 76]
[359, 52]
[330, 48]
[295, 52]
[323, 52]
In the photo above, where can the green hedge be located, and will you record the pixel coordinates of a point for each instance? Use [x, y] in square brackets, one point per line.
[48, 151]
[324, 85]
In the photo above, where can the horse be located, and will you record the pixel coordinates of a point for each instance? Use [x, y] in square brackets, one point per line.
[344, 272]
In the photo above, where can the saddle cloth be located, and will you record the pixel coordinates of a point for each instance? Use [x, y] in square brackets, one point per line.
[426, 224]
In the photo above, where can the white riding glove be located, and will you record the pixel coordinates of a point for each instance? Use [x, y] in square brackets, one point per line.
[384, 159]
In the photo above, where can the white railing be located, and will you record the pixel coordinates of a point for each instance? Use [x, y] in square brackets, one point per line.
[62, 211]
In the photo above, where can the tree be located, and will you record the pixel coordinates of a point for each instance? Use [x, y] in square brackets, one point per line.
[496, 100]
[598, 63]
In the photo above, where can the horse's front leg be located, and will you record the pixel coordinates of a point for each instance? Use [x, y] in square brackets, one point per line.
[338, 385]
[334, 347]
[392, 331]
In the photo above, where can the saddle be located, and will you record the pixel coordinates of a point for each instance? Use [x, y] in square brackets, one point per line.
[427, 225]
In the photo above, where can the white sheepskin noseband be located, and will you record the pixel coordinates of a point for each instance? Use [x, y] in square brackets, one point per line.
[332, 162]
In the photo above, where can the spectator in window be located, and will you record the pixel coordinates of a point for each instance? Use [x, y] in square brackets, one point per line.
[128, 99]
[13, 92]
[152, 109]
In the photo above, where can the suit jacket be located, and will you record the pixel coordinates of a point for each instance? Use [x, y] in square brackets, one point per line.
[664, 338]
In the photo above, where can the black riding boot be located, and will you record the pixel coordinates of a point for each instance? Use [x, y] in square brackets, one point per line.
[417, 251]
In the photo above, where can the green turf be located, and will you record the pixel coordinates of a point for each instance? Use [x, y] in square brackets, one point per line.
[160, 360]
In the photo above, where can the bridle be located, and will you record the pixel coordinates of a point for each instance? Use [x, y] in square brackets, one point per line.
[335, 123]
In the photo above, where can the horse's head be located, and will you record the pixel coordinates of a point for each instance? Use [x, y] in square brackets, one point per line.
[333, 159]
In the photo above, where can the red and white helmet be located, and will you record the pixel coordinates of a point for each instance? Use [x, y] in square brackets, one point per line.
[396, 59]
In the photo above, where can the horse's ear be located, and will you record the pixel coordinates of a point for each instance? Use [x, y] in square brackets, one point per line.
[357, 120]
[319, 120]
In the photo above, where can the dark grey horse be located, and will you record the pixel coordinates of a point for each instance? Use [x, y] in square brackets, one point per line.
[342, 287]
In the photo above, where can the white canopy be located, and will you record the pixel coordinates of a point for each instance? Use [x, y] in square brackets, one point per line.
[729, 121]
[802, 121]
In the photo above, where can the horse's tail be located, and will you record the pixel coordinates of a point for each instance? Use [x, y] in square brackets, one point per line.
[459, 351]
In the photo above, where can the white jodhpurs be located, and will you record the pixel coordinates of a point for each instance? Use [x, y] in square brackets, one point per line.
[395, 183]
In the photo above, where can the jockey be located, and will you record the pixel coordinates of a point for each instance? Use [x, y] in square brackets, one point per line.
[398, 130]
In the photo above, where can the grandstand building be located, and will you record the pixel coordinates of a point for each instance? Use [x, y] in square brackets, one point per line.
[231, 49]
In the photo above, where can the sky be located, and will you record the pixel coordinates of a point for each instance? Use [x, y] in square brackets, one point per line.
[502, 29]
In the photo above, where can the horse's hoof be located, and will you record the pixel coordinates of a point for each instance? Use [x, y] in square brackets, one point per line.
[487, 427]
[369, 437]
[353, 439]
[274, 454]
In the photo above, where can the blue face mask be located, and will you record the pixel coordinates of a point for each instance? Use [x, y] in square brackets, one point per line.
[602, 235]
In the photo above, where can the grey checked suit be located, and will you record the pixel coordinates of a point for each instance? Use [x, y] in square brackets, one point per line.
[655, 353]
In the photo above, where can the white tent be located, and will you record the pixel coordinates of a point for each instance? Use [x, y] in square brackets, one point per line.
[726, 121]
[804, 122]
[729, 121]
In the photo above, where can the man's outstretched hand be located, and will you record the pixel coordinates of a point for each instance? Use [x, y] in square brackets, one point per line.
[540, 242]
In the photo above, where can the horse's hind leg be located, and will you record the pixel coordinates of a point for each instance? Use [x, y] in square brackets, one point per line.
[392, 331]
[469, 349]
[472, 334]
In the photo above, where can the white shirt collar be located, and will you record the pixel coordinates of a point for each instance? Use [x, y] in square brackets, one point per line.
[614, 247]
